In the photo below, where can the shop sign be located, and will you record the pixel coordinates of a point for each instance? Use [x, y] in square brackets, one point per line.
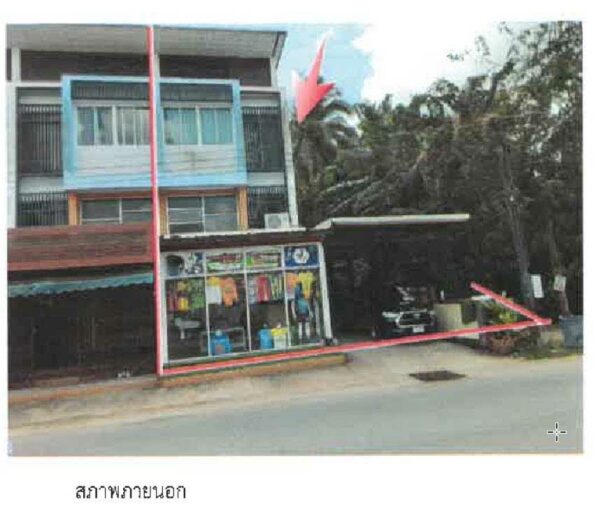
[262, 259]
[301, 256]
[224, 262]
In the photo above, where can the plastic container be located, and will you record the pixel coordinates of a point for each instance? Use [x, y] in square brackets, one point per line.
[572, 330]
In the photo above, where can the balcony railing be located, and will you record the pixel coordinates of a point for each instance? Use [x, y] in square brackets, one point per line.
[42, 209]
[265, 200]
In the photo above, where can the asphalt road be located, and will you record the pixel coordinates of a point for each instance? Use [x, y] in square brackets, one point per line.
[507, 412]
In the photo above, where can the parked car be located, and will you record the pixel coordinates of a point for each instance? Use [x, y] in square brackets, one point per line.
[402, 315]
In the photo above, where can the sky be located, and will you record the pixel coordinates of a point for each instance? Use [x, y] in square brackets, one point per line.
[401, 58]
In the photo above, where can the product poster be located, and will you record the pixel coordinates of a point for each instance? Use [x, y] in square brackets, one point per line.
[184, 264]
[267, 258]
[224, 262]
[301, 256]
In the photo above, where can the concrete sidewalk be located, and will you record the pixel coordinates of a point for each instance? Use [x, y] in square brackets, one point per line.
[388, 367]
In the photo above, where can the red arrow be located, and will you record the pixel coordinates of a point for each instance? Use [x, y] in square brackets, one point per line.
[308, 92]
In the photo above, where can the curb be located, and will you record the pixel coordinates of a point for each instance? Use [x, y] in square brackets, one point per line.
[28, 396]
[265, 369]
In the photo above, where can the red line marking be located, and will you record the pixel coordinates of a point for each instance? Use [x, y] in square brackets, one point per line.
[511, 305]
[362, 346]
[155, 201]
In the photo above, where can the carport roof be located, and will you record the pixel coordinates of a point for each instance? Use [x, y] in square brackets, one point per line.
[391, 221]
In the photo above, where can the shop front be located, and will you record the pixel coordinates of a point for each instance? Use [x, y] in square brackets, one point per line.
[227, 302]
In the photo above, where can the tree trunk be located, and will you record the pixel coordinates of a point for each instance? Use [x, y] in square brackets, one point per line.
[557, 267]
[513, 210]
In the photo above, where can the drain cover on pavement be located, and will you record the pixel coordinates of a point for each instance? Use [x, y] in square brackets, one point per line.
[442, 375]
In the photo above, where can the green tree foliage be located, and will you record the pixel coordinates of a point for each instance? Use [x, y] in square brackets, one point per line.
[505, 147]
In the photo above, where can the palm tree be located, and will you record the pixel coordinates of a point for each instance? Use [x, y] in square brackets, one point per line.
[317, 142]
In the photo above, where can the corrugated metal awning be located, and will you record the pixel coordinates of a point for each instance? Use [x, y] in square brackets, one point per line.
[55, 287]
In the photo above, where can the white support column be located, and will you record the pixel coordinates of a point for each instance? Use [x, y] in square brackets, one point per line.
[289, 161]
[11, 151]
[15, 65]
[11, 137]
[325, 293]
[273, 65]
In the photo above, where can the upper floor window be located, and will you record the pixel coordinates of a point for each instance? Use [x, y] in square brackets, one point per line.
[181, 126]
[191, 126]
[116, 211]
[133, 126]
[216, 126]
[94, 126]
[202, 214]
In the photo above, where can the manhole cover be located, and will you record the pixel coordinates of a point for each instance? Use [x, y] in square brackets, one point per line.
[436, 375]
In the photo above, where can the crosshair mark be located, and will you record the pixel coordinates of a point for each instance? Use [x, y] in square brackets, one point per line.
[557, 432]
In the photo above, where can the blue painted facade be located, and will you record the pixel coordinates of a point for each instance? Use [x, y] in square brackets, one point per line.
[115, 167]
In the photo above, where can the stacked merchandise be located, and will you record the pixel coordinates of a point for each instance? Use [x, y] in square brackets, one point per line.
[280, 335]
[275, 338]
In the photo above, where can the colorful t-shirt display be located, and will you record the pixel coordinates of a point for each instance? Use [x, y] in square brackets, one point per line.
[307, 280]
[213, 291]
[229, 292]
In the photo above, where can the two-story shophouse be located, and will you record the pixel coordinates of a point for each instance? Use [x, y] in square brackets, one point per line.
[239, 276]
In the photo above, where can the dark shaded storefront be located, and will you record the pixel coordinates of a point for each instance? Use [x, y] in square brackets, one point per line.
[90, 334]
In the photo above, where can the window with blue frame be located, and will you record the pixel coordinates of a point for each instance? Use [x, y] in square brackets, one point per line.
[133, 126]
[94, 126]
[181, 126]
[216, 126]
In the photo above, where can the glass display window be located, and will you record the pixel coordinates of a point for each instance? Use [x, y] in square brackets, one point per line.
[303, 292]
[186, 318]
[268, 317]
[234, 301]
[227, 313]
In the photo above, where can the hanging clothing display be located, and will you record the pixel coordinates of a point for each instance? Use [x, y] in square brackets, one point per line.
[307, 280]
[263, 287]
[197, 296]
[276, 281]
[266, 287]
[213, 291]
[252, 290]
[291, 279]
[171, 297]
[229, 292]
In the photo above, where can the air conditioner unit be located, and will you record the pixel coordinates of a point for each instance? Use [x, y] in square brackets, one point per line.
[277, 220]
